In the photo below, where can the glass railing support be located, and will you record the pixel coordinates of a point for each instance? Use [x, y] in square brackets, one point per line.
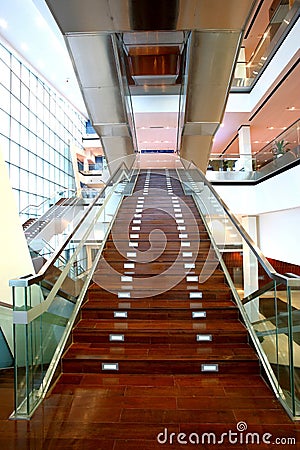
[269, 306]
[43, 317]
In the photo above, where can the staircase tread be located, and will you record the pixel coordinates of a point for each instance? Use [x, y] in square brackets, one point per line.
[157, 305]
[195, 325]
[153, 352]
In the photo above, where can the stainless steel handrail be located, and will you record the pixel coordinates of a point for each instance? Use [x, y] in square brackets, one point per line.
[44, 202]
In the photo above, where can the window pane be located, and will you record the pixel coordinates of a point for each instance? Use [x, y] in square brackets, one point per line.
[4, 123]
[4, 75]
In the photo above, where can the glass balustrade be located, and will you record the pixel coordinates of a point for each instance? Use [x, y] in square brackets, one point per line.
[269, 302]
[46, 304]
[252, 61]
[280, 153]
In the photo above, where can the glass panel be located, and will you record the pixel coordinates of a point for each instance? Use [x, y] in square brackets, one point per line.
[251, 62]
[41, 341]
[294, 298]
[268, 306]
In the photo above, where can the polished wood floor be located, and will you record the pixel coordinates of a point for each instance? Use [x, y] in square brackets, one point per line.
[148, 316]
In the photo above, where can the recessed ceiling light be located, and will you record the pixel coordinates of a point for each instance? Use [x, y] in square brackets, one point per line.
[270, 128]
[222, 125]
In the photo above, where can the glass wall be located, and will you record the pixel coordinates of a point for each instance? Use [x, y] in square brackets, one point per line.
[37, 128]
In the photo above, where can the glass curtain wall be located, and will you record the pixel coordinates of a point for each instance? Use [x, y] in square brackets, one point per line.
[37, 128]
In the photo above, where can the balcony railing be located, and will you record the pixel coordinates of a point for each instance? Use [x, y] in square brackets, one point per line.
[248, 70]
[277, 155]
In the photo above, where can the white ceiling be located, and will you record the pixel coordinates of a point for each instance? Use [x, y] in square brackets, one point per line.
[30, 29]
[33, 32]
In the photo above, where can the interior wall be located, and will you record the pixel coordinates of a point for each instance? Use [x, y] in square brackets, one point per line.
[279, 235]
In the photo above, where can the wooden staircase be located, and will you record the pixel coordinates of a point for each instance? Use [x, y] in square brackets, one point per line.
[159, 303]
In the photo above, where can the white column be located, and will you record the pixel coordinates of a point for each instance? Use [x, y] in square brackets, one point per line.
[250, 268]
[245, 148]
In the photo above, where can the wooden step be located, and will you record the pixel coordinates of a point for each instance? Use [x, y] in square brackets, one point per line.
[161, 359]
[147, 311]
[204, 268]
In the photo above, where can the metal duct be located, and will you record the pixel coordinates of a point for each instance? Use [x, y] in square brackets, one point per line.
[210, 66]
[91, 28]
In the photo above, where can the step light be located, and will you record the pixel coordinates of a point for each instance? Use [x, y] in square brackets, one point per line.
[179, 221]
[198, 314]
[141, 198]
[195, 294]
[110, 366]
[136, 228]
[189, 265]
[209, 367]
[183, 236]
[123, 294]
[177, 210]
[178, 216]
[181, 228]
[133, 244]
[134, 236]
[192, 278]
[120, 314]
[185, 244]
[138, 210]
[126, 279]
[129, 265]
[203, 337]
[138, 216]
[187, 254]
[116, 337]
[131, 254]
[136, 221]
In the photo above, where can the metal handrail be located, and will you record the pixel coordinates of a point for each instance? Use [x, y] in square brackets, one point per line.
[33, 279]
[44, 201]
[256, 250]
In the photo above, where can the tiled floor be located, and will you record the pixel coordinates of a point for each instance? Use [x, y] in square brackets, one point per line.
[129, 412]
